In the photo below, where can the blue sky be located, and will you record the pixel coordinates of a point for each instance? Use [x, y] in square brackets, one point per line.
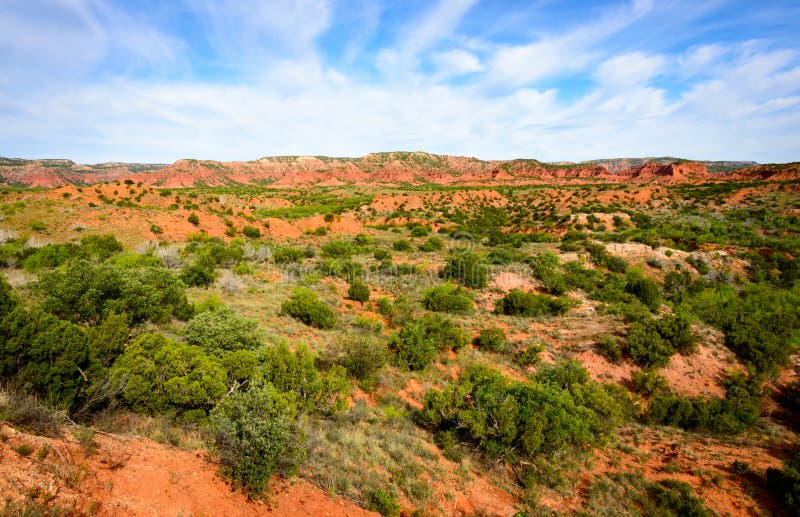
[155, 81]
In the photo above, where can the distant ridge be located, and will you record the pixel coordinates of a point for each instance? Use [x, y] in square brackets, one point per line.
[384, 168]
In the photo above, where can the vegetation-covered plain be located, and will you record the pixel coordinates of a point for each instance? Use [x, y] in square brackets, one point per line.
[588, 349]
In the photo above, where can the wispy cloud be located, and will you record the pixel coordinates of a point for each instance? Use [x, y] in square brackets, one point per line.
[561, 53]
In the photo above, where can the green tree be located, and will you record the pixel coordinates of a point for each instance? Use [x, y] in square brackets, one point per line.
[520, 303]
[49, 355]
[296, 372]
[221, 331]
[160, 375]
[257, 435]
[107, 340]
[85, 292]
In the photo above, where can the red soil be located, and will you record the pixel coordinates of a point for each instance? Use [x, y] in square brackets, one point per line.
[134, 476]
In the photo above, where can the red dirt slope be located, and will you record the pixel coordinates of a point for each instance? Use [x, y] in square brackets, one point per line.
[134, 476]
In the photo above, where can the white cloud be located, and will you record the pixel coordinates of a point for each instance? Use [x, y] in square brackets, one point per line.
[455, 62]
[628, 70]
[246, 31]
[516, 65]
[402, 59]
[63, 39]
[701, 59]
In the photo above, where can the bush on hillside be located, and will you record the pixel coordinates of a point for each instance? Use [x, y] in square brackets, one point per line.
[305, 306]
[221, 331]
[447, 298]
[491, 338]
[358, 291]
[85, 292]
[296, 372]
[467, 269]
[257, 435]
[520, 420]
[160, 375]
[520, 303]
[420, 341]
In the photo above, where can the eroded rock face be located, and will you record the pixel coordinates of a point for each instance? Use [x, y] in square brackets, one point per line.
[387, 168]
[770, 172]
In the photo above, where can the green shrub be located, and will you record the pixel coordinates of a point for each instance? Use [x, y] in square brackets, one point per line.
[193, 219]
[199, 273]
[631, 494]
[432, 244]
[520, 303]
[732, 414]
[643, 288]
[418, 230]
[343, 268]
[257, 435]
[362, 239]
[520, 420]
[651, 342]
[646, 347]
[529, 356]
[382, 255]
[761, 323]
[384, 502]
[698, 263]
[304, 305]
[399, 312]
[161, 375]
[402, 245]
[447, 298]
[241, 366]
[49, 256]
[363, 357]
[552, 281]
[8, 299]
[579, 277]
[500, 256]
[107, 340]
[251, 232]
[358, 291]
[467, 269]
[785, 483]
[338, 249]
[100, 247]
[221, 330]
[45, 354]
[420, 340]
[295, 372]
[286, 254]
[649, 383]
[491, 338]
[609, 347]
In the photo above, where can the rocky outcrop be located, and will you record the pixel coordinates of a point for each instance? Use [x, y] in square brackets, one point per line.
[768, 172]
[385, 168]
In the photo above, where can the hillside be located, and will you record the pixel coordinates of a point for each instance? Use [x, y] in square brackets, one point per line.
[571, 348]
[387, 168]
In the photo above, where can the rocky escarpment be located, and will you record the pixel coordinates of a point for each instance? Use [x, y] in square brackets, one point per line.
[386, 168]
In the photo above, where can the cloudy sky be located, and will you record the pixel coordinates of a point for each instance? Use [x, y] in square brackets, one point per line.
[155, 81]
